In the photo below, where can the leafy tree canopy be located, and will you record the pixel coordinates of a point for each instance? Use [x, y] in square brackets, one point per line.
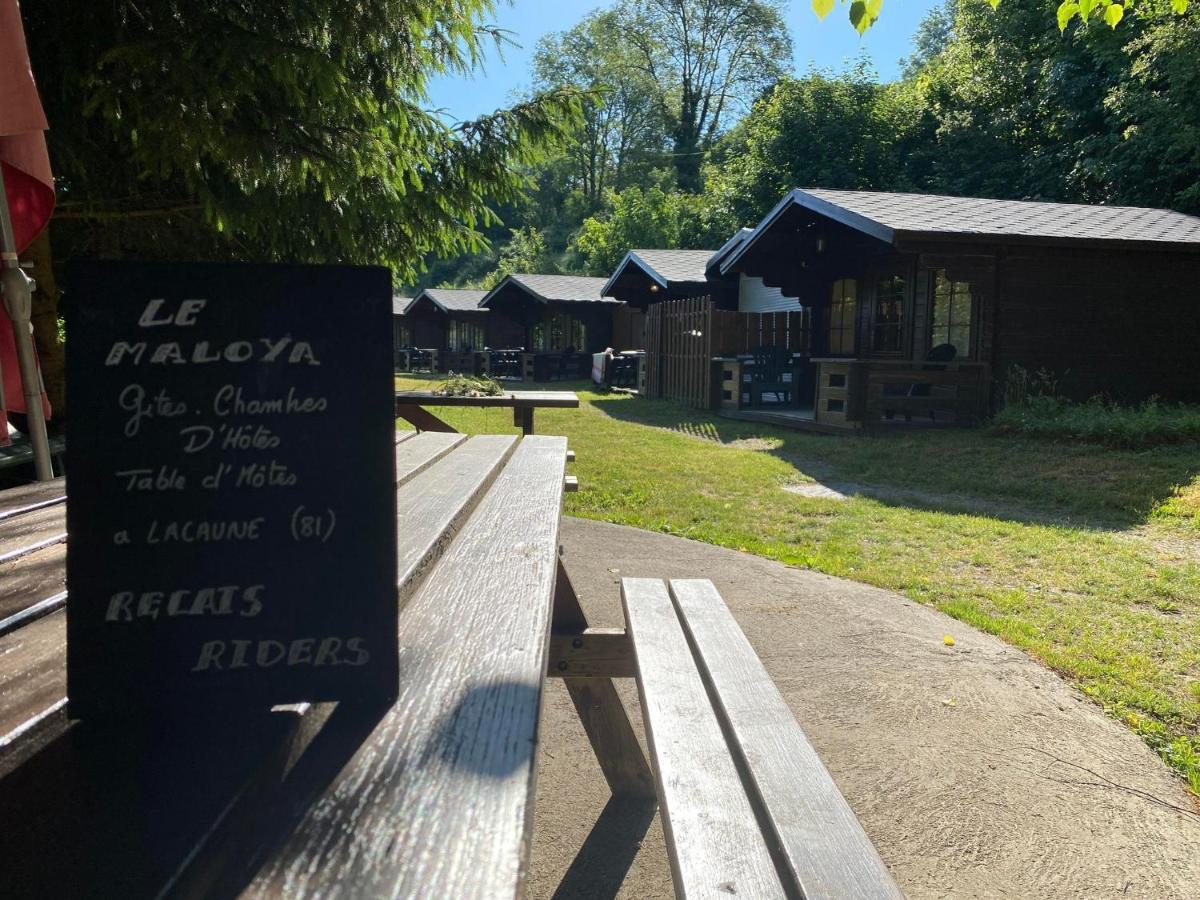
[275, 129]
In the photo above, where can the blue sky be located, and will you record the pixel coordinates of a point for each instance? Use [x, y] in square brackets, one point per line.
[827, 44]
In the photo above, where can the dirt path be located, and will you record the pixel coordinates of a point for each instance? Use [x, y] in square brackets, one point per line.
[977, 772]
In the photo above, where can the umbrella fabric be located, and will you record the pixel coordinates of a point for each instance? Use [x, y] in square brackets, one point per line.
[28, 184]
[27, 179]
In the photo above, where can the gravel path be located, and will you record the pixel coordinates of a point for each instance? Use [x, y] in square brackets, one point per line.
[976, 771]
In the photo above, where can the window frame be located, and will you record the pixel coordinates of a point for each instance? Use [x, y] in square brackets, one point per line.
[972, 349]
[903, 328]
[848, 322]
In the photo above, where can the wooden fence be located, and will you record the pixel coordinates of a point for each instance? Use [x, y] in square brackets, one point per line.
[679, 351]
[684, 336]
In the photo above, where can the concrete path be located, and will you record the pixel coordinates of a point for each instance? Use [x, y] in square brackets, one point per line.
[977, 772]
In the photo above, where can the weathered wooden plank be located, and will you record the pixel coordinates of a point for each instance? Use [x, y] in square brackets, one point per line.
[827, 852]
[599, 707]
[32, 577]
[28, 494]
[32, 612]
[592, 653]
[40, 543]
[432, 506]
[33, 507]
[33, 674]
[421, 418]
[423, 450]
[713, 839]
[436, 801]
[544, 399]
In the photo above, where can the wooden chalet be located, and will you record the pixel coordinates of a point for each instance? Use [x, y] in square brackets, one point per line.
[448, 319]
[551, 314]
[401, 333]
[928, 307]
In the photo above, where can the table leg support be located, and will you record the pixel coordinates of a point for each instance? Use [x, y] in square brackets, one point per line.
[600, 710]
[421, 418]
[523, 418]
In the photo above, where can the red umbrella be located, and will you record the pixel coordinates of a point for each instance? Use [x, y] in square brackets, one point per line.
[26, 203]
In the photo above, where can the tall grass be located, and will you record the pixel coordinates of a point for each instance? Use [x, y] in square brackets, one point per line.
[1099, 421]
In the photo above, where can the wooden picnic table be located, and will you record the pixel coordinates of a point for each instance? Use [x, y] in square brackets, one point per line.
[429, 796]
[411, 406]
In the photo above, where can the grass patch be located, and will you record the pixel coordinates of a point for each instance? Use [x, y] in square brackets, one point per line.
[1087, 557]
[1148, 424]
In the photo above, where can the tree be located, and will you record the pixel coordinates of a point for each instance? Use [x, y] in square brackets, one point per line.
[711, 59]
[653, 217]
[621, 125]
[273, 130]
[825, 129]
[865, 13]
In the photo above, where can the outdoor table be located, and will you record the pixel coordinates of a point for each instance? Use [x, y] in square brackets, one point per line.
[428, 796]
[411, 406]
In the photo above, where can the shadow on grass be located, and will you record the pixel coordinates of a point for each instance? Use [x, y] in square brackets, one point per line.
[956, 471]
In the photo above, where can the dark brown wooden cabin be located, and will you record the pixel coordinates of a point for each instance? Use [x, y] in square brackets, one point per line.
[448, 319]
[645, 277]
[551, 313]
[1101, 297]
[401, 333]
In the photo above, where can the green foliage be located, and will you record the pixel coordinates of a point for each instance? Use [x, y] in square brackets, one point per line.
[637, 218]
[710, 58]
[824, 129]
[468, 386]
[275, 130]
[1099, 421]
[622, 126]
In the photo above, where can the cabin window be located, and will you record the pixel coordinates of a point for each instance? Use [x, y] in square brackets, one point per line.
[953, 307]
[464, 335]
[843, 304]
[887, 334]
[401, 334]
[559, 331]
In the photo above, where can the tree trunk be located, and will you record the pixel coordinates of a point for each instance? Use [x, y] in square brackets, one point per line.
[45, 323]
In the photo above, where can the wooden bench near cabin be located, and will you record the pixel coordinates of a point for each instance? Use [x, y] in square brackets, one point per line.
[432, 795]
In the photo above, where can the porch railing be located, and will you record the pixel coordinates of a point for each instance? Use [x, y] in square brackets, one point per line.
[874, 393]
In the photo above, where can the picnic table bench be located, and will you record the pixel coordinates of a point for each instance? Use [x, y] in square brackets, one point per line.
[411, 406]
[429, 796]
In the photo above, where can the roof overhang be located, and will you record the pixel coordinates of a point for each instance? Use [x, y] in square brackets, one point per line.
[632, 259]
[797, 198]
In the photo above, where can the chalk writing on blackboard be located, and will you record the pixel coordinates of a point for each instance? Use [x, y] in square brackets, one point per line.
[231, 512]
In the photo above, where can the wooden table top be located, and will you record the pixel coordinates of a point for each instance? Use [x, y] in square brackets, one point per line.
[542, 399]
[429, 796]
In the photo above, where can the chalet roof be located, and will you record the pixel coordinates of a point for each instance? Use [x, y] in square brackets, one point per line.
[739, 238]
[561, 288]
[893, 217]
[452, 299]
[665, 266]
[400, 304]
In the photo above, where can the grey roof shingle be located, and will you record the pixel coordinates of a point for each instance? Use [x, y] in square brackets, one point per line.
[664, 266]
[454, 299]
[566, 288]
[934, 214]
[400, 304]
[676, 265]
[891, 217]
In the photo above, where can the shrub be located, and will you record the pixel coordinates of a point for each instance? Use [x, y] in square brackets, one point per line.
[1101, 421]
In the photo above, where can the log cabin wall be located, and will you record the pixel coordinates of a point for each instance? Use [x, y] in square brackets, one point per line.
[503, 331]
[428, 327]
[1117, 322]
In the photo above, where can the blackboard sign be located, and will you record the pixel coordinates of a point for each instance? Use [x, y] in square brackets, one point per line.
[231, 503]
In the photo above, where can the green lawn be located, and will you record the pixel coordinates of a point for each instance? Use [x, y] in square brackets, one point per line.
[1086, 557]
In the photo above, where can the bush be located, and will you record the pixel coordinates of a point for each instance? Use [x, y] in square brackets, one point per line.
[1100, 421]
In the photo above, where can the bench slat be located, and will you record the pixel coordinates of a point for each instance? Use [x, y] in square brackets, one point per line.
[32, 578]
[437, 501]
[713, 839]
[421, 451]
[31, 528]
[437, 800]
[827, 851]
[29, 494]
